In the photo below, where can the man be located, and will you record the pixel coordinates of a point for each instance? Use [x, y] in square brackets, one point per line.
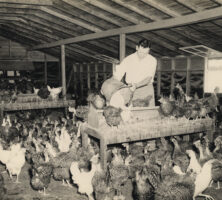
[139, 69]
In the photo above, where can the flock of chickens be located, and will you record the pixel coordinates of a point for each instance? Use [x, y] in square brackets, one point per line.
[166, 168]
[179, 105]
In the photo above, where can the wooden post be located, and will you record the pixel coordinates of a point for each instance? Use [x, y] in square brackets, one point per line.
[96, 75]
[104, 71]
[88, 76]
[158, 77]
[74, 77]
[122, 46]
[69, 80]
[63, 71]
[81, 79]
[188, 76]
[204, 78]
[172, 75]
[45, 69]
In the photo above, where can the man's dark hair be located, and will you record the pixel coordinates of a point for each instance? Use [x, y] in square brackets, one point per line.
[144, 43]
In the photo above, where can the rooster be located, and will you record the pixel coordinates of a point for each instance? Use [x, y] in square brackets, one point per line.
[84, 179]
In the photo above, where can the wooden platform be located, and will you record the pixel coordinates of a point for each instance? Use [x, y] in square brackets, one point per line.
[142, 129]
[36, 105]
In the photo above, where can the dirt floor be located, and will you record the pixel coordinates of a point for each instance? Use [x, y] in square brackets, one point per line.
[57, 191]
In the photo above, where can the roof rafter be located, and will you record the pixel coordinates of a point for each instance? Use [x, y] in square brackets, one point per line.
[69, 19]
[114, 11]
[136, 10]
[161, 7]
[168, 23]
[29, 2]
[188, 5]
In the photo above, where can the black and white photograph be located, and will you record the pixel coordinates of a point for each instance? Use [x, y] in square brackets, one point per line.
[110, 99]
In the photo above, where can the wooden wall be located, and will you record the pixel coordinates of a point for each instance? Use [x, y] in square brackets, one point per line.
[187, 71]
[14, 56]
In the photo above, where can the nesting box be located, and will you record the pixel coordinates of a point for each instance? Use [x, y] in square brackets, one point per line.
[96, 118]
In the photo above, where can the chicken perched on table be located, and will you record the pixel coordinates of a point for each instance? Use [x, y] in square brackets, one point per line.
[54, 92]
[96, 100]
[84, 179]
[43, 92]
[166, 106]
[112, 115]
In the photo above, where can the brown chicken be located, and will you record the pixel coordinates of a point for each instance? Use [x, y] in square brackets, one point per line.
[112, 115]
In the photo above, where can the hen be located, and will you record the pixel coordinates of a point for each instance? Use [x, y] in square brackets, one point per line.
[179, 157]
[166, 106]
[112, 115]
[54, 92]
[16, 161]
[41, 176]
[84, 179]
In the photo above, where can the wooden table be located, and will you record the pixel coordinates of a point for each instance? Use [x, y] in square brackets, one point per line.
[144, 130]
[35, 105]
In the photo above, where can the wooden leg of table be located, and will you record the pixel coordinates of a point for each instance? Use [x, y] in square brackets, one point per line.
[84, 139]
[186, 138]
[210, 135]
[103, 155]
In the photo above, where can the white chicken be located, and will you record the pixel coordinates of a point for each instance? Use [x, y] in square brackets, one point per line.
[63, 140]
[84, 179]
[14, 159]
[54, 92]
[194, 164]
[203, 180]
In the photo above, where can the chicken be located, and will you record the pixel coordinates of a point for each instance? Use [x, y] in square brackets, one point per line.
[179, 157]
[217, 172]
[101, 185]
[16, 161]
[166, 106]
[112, 115]
[54, 92]
[175, 187]
[142, 189]
[203, 180]
[217, 152]
[41, 176]
[63, 140]
[84, 179]
[146, 181]
[61, 174]
[203, 155]
[43, 92]
[194, 164]
[96, 100]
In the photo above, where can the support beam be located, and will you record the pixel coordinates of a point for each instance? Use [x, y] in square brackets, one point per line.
[122, 46]
[161, 7]
[158, 77]
[113, 10]
[29, 2]
[137, 10]
[172, 75]
[63, 62]
[167, 23]
[45, 69]
[188, 76]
